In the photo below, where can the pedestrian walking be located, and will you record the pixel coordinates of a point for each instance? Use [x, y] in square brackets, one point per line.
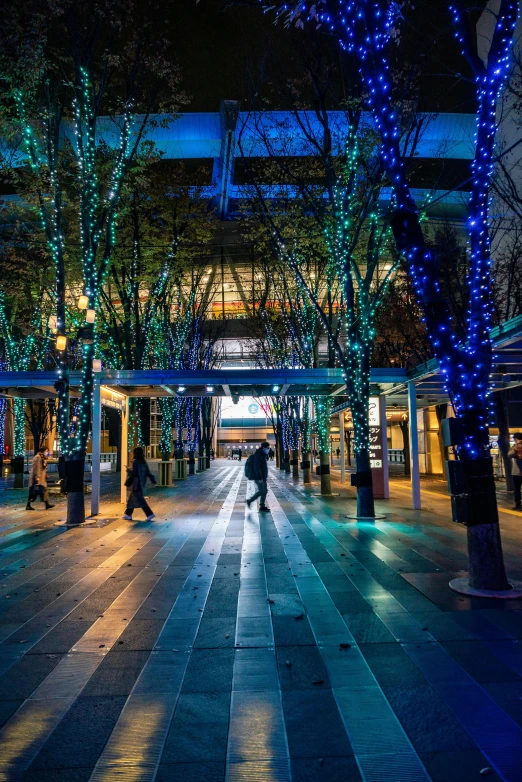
[258, 472]
[516, 470]
[240, 454]
[137, 480]
[38, 480]
[271, 454]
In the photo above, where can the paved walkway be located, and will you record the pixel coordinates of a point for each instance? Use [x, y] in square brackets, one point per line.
[214, 644]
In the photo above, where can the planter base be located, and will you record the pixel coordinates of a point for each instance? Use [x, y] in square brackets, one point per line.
[367, 518]
[461, 585]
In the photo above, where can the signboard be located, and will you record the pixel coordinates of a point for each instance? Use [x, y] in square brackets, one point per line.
[246, 407]
[113, 399]
[378, 452]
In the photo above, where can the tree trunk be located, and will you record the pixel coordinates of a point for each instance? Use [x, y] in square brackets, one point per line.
[405, 431]
[75, 491]
[192, 463]
[295, 464]
[365, 503]
[307, 467]
[286, 462]
[326, 480]
[486, 564]
[500, 402]
[17, 468]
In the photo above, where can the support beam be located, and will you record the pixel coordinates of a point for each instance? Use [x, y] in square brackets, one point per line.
[226, 390]
[284, 388]
[124, 450]
[384, 430]
[414, 447]
[96, 447]
[341, 446]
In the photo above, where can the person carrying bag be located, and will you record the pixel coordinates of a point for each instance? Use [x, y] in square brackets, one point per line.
[38, 480]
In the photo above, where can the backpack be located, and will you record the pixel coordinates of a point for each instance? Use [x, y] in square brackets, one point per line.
[249, 468]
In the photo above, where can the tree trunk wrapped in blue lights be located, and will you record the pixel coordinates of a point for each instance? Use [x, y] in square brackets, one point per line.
[366, 28]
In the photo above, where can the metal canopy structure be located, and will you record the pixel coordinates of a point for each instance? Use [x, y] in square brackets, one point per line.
[208, 382]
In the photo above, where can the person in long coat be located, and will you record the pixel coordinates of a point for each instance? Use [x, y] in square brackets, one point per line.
[38, 480]
[137, 480]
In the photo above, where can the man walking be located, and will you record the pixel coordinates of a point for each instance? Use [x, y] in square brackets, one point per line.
[516, 470]
[260, 476]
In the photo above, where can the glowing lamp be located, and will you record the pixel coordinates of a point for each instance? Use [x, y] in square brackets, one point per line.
[90, 316]
[210, 389]
[96, 365]
[181, 389]
[61, 342]
[83, 302]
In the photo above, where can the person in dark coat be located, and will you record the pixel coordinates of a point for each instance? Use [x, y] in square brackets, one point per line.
[139, 473]
[515, 455]
[260, 469]
[38, 480]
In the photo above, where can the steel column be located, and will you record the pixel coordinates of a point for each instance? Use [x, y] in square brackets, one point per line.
[96, 447]
[124, 450]
[341, 445]
[414, 446]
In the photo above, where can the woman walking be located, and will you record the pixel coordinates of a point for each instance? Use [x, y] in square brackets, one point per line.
[38, 480]
[137, 481]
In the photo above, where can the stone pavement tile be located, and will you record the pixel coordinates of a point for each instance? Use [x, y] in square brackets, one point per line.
[213, 633]
[479, 626]
[338, 583]
[157, 607]
[7, 709]
[232, 560]
[292, 632]
[90, 608]
[279, 578]
[26, 674]
[209, 670]
[190, 772]
[435, 587]
[445, 625]
[57, 775]
[429, 723]
[507, 619]
[462, 766]
[367, 628]
[306, 667]
[62, 638]
[116, 675]
[314, 727]
[329, 570]
[391, 666]
[345, 602]
[79, 739]
[285, 604]
[140, 634]
[325, 770]
[508, 695]
[355, 604]
[221, 606]
[477, 659]
[199, 729]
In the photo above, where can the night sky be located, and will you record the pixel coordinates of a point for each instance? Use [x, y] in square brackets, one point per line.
[221, 47]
